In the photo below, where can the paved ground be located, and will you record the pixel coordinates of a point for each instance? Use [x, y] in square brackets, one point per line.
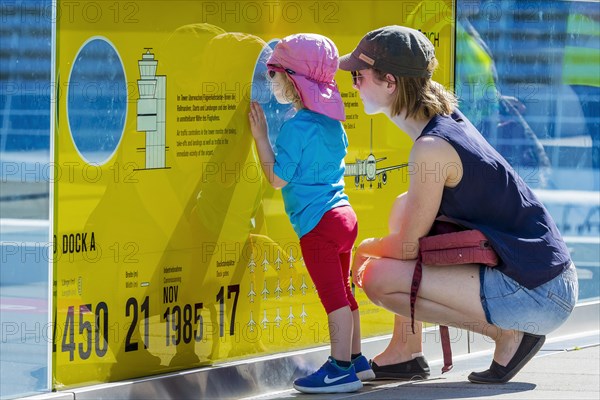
[564, 369]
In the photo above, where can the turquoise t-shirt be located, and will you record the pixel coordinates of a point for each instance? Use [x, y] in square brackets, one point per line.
[309, 155]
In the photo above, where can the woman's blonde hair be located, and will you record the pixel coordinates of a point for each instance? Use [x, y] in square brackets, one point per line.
[420, 98]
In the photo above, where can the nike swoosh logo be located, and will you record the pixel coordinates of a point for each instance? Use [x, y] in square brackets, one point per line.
[328, 380]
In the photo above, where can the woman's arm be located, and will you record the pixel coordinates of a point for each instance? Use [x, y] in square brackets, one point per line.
[397, 213]
[429, 158]
[258, 125]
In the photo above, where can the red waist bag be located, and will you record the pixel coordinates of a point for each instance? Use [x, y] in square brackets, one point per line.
[449, 244]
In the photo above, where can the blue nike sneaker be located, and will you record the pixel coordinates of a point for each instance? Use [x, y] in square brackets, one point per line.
[330, 378]
[363, 369]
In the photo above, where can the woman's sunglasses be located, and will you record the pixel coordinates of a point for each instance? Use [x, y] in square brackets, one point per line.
[356, 77]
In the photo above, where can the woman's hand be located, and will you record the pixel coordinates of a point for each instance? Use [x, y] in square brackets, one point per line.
[258, 123]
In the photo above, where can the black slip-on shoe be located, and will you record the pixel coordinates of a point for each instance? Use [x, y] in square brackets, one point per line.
[417, 368]
[528, 348]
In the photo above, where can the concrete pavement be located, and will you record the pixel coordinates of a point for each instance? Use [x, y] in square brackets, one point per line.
[566, 368]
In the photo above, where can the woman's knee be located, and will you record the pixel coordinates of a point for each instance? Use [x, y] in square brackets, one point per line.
[383, 277]
[372, 282]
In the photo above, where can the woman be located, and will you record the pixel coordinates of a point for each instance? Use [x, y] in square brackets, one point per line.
[458, 175]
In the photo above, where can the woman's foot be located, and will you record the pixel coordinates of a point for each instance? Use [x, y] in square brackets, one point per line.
[507, 345]
[391, 364]
[498, 373]
[414, 369]
[389, 357]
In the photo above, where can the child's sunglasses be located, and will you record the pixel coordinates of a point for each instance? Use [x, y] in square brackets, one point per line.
[274, 68]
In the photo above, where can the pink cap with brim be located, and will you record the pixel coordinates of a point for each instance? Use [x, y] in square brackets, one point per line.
[313, 59]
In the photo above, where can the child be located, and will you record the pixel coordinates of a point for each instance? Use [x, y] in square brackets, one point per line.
[309, 168]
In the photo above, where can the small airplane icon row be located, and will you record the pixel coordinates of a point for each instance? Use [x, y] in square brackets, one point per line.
[367, 168]
[251, 323]
[265, 263]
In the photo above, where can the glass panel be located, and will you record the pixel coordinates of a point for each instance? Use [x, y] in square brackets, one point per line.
[540, 109]
[25, 37]
[97, 101]
[158, 242]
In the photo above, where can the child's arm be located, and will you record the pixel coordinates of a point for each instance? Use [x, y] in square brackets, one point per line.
[258, 125]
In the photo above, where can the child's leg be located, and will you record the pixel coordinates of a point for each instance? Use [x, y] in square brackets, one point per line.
[341, 324]
[361, 365]
[356, 345]
[323, 265]
[345, 263]
[326, 250]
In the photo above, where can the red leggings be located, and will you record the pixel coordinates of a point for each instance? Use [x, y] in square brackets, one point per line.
[327, 252]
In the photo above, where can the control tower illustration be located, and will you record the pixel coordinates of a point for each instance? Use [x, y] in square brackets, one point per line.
[151, 107]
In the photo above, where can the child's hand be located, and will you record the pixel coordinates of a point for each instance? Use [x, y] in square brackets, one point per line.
[258, 124]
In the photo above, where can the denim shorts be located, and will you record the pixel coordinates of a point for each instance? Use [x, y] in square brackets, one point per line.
[508, 305]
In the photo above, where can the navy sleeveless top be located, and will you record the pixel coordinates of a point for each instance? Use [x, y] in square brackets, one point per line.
[492, 198]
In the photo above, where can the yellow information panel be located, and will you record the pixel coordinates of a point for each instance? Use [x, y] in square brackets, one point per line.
[171, 249]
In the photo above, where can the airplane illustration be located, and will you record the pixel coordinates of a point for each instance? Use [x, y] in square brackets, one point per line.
[264, 321]
[278, 261]
[303, 287]
[265, 292]
[291, 288]
[251, 323]
[291, 258]
[291, 316]
[251, 264]
[277, 319]
[367, 168]
[278, 290]
[251, 294]
[265, 263]
[303, 315]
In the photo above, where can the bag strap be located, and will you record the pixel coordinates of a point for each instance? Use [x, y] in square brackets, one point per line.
[446, 349]
[444, 333]
[414, 288]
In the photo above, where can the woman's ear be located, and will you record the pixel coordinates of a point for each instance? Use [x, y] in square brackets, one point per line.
[391, 83]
